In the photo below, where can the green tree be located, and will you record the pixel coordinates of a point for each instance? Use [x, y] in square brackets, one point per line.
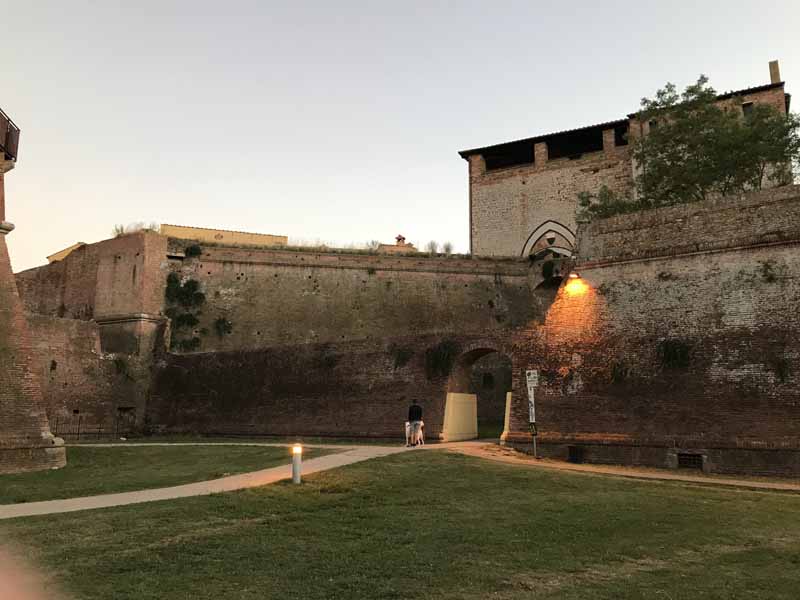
[698, 148]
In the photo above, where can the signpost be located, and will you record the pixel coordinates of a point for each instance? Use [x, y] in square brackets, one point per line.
[532, 379]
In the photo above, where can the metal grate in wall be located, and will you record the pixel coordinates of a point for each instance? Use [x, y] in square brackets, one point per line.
[575, 454]
[690, 461]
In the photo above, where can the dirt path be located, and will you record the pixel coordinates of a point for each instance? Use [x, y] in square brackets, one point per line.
[509, 456]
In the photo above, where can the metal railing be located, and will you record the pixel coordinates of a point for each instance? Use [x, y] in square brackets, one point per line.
[9, 137]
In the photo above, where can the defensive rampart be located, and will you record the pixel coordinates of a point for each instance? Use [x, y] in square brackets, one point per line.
[678, 343]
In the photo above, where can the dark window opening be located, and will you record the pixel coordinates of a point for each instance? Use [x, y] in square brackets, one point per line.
[653, 124]
[75, 411]
[53, 365]
[575, 454]
[747, 109]
[575, 144]
[488, 381]
[509, 155]
[690, 461]
[621, 134]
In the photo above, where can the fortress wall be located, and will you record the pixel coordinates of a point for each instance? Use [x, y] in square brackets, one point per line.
[680, 336]
[280, 297]
[116, 276]
[356, 388]
[82, 387]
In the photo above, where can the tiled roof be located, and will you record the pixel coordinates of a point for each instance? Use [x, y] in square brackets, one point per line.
[609, 124]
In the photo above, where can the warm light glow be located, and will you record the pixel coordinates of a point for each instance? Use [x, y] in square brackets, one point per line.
[575, 287]
[297, 449]
[574, 275]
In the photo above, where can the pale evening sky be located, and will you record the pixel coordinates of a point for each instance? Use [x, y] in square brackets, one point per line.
[338, 121]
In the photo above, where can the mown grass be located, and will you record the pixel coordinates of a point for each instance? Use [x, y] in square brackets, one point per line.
[91, 471]
[430, 524]
[177, 438]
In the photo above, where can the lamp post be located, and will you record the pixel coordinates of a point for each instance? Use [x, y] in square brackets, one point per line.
[297, 462]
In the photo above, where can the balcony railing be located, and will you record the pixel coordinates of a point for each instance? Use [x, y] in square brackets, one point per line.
[9, 137]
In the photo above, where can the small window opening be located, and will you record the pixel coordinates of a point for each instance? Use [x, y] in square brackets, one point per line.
[653, 124]
[690, 461]
[621, 134]
[509, 155]
[747, 109]
[575, 144]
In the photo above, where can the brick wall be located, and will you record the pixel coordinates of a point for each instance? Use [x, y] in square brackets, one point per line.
[25, 439]
[279, 297]
[83, 389]
[112, 277]
[680, 336]
[354, 388]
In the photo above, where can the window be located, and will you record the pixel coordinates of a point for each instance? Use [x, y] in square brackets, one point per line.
[747, 109]
[653, 124]
[575, 144]
[509, 155]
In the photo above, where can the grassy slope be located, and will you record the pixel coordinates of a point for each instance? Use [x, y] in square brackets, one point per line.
[91, 471]
[431, 525]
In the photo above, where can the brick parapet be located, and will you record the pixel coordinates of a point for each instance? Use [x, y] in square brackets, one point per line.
[761, 218]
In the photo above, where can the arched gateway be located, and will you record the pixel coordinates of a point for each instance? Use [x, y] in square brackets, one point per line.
[478, 395]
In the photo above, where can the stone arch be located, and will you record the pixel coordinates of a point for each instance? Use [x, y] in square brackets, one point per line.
[461, 409]
[551, 236]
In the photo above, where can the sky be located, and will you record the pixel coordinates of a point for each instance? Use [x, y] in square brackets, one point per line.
[333, 121]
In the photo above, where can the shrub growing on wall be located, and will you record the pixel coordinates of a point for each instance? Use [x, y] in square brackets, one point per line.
[222, 326]
[184, 300]
[440, 358]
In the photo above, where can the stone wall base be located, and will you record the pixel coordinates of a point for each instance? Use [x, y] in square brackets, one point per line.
[745, 461]
[18, 460]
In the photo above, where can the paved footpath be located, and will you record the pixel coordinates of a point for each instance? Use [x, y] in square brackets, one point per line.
[351, 455]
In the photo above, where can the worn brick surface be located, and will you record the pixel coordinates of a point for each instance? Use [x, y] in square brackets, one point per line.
[354, 388]
[718, 278]
[25, 439]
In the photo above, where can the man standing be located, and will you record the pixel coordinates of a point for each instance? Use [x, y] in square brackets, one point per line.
[415, 421]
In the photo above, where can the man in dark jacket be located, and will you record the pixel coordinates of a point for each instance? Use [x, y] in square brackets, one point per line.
[415, 422]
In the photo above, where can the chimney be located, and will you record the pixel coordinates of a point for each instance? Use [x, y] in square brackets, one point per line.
[774, 72]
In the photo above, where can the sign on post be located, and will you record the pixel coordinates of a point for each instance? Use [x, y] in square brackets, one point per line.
[532, 378]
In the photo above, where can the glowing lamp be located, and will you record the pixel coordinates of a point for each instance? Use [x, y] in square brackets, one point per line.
[575, 285]
[297, 463]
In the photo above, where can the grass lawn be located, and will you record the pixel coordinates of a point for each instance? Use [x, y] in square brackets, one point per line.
[91, 471]
[226, 439]
[430, 524]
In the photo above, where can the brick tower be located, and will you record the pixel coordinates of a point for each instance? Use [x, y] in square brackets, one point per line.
[26, 443]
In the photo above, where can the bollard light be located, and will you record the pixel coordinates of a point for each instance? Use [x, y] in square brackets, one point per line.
[297, 462]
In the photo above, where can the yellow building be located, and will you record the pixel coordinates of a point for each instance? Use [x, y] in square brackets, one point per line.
[61, 254]
[223, 236]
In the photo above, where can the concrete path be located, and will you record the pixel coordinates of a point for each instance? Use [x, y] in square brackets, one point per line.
[253, 479]
[509, 456]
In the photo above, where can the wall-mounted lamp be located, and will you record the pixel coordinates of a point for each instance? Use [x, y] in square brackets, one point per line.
[574, 275]
[297, 462]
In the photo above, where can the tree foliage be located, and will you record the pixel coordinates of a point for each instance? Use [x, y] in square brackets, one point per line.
[699, 148]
